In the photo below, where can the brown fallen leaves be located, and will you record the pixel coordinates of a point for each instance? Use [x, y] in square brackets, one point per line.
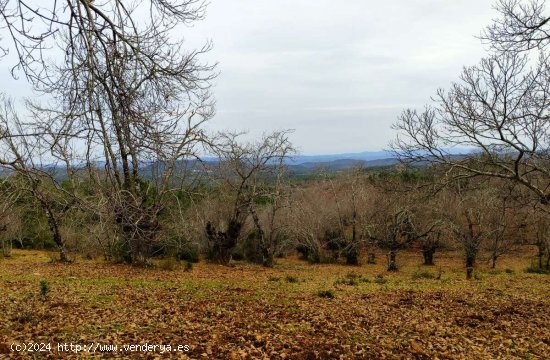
[248, 312]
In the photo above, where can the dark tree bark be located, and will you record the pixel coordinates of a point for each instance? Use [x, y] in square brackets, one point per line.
[494, 261]
[223, 242]
[57, 238]
[428, 254]
[470, 262]
[392, 262]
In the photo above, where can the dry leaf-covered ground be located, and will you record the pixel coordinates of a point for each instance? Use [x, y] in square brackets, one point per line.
[250, 312]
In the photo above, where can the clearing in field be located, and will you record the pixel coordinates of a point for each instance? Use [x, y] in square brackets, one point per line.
[295, 310]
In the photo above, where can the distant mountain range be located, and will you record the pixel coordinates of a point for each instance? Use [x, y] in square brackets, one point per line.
[362, 156]
[299, 164]
[302, 164]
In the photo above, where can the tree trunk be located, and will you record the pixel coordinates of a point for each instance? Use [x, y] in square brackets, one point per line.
[371, 258]
[469, 272]
[428, 255]
[470, 261]
[57, 238]
[267, 257]
[6, 248]
[392, 264]
[541, 254]
[352, 256]
[494, 261]
[223, 243]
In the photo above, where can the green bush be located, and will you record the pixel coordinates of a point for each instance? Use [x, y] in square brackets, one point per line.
[169, 264]
[309, 254]
[537, 270]
[119, 252]
[326, 294]
[189, 252]
[380, 279]
[237, 255]
[44, 288]
[263, 200]
[248, 249]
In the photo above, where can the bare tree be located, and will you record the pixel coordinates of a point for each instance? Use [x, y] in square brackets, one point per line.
[470, 237]
[468, 204]
[349, 194]
[501, 238]
[395, 227]
[541, 238]
[127, 102]
[498, 110]
[429, 246]
[9, 196]
[431, 210]
[247, 168]
[311, 215]
[23, 155]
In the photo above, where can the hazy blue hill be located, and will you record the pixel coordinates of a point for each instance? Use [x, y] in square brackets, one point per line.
[364, 156]
[300, 164]
[339, 165]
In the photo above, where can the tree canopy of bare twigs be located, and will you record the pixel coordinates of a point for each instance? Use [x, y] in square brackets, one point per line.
[498, 110]
[252, 172]
[125, 100]
[521, 26]
[36, 31]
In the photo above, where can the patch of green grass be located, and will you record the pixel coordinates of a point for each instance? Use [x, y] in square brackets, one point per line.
[422, 274]
[292, 279]
[105, 298]
[347, 281]
[326, 294]
[380, 279]
[351, 279]
[478, 276]
[352, 275]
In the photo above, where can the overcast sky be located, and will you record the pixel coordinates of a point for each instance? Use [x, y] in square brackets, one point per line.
[338, 72]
